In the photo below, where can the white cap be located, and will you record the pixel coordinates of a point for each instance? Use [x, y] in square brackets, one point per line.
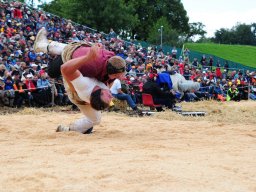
[44, 66]
[29, 75]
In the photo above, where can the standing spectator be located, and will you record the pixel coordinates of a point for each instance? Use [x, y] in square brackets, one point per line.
[218, 64]
[195, 63]
[17, 13]
[203, 62]
[186, 53]
[211, 62]
[112, 34]
[174, 52]
[218, 73]
[226, 66]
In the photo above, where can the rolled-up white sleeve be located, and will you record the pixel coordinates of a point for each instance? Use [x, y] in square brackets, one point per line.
[83, 87]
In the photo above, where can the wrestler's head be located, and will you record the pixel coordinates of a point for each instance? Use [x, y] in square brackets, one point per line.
[100, 98]
[116, 67]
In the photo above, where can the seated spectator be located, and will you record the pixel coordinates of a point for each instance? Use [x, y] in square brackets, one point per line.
[2, 91]
[3, 71]
[116, 90]
[204, 91]
[164, 81]
[190, 97]
[242, 86]
[159, 96]
[218, 92]
[31, 89]
[9, 91]
[133, 72]
[43, 90]
[186, 73]
[252, 94]
[61, 97]
[20, 93]
[233, 94]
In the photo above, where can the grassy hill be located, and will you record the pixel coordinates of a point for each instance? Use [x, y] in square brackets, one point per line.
[242, 54]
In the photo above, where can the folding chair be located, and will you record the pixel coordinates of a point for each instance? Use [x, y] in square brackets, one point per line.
[147, 100]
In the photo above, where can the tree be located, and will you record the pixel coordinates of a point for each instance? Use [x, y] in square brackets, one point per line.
[244, 35]
[240, 34]
[98, 14]
[196, 29]
[222, 36]
[149, 11]
[170, 35]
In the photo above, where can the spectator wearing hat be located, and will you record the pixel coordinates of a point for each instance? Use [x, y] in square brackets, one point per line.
[31, 89]
[43, 69]
[34, 68]
[43, 90]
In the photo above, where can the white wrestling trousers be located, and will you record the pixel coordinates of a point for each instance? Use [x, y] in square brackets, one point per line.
[56, 48]
[179, 83]
[91, 118]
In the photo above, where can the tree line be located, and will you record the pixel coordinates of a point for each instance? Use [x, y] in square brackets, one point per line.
[241, 34]
[145, 19]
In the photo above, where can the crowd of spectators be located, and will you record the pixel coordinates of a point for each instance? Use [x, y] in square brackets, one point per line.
[23, 73]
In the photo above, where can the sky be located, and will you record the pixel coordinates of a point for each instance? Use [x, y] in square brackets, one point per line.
[216, 14]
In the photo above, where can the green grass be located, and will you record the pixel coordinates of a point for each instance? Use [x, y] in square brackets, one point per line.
[242, 54]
